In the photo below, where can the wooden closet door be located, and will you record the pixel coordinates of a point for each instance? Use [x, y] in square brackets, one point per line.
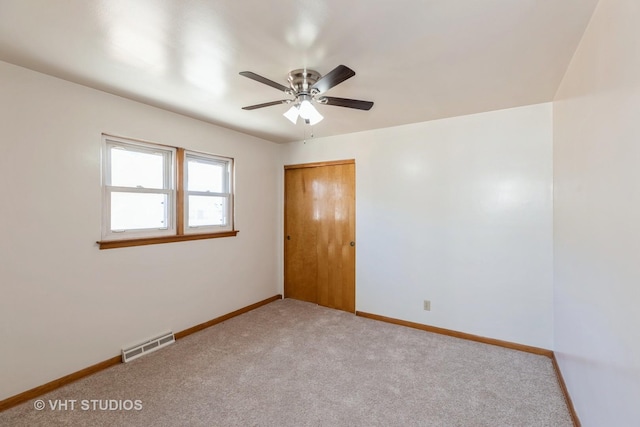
[301, 262]
[320, 234]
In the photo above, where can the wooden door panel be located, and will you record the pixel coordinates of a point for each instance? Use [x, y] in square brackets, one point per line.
[302, 264]
[336, 287]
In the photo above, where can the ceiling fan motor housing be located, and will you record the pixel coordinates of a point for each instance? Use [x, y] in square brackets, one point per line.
[301, 80]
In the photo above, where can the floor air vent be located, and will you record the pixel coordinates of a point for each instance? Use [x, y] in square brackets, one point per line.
[148, 346]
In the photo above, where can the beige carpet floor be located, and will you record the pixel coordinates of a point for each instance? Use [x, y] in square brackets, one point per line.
[292, 363]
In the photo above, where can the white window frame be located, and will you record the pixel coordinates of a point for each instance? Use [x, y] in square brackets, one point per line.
[169, 154]
[227, 162]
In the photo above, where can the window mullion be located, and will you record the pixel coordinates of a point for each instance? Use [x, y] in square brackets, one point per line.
[181, 183]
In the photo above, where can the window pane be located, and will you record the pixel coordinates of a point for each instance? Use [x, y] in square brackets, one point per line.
[207, 210]
[136, 169]
[203, 176]
[138, 211]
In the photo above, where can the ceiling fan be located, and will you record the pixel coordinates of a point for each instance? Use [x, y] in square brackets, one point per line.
[306, 87]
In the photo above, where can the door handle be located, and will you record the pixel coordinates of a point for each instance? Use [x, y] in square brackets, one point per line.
[288, 237]
[352, 243]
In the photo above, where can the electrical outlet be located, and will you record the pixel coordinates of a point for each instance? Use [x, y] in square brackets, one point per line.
[427, 305]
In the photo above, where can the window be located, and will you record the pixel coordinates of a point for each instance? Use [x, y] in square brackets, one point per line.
[139, 190]
[207, 192]
[156, 194]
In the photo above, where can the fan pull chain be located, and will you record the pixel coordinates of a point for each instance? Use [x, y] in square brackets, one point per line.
[304, 134]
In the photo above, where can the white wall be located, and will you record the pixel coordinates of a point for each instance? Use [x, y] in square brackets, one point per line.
[597, 219]
[457, 211]
[64, 304]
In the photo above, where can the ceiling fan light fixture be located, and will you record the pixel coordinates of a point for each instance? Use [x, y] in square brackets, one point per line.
[315, 118]
[309, 113]
[292, 114]
[306, 109]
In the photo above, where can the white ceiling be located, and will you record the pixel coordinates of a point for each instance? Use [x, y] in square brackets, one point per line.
[418, 60]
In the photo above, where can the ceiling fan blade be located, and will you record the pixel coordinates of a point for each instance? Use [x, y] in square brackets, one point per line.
[264, 80]
[345, 102]
[267, 104]
[333, 78]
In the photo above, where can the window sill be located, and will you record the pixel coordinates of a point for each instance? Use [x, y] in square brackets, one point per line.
[112, 244]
